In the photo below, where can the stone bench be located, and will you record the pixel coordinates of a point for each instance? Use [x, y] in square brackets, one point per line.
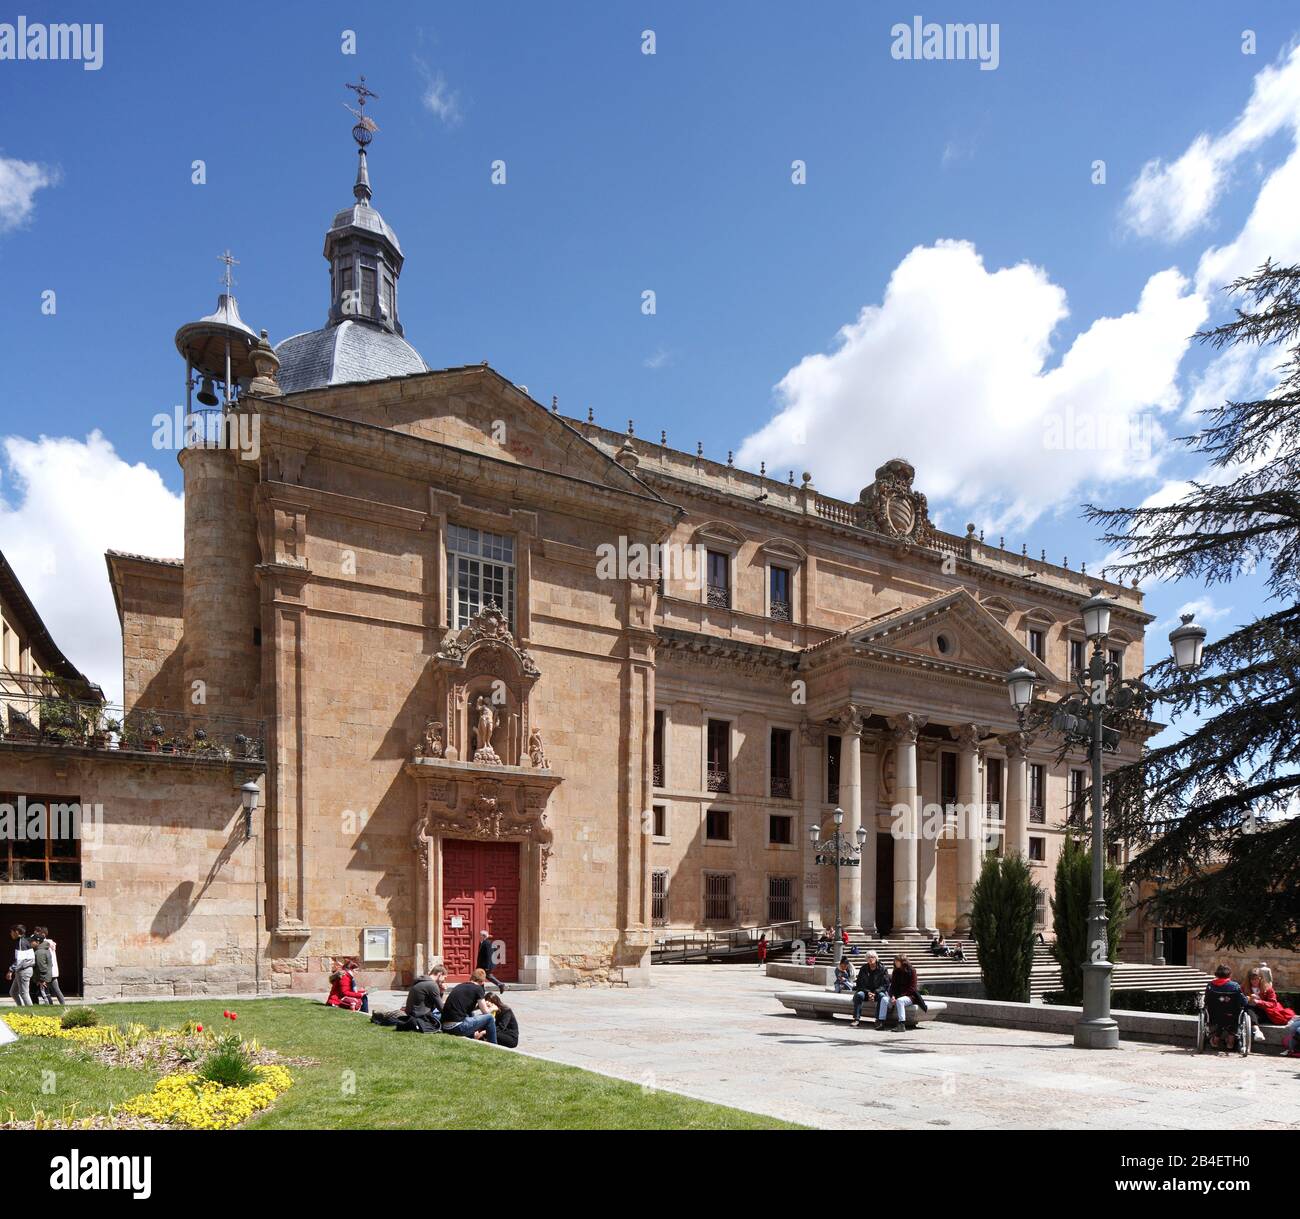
[826, 1004]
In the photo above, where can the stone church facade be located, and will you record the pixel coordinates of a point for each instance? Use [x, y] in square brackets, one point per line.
[470, 705]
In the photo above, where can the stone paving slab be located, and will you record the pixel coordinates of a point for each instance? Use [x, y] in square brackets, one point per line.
[716, 1032]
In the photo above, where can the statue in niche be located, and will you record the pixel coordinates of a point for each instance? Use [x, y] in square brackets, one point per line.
[433, 745]
[536, 752]
[485, 721]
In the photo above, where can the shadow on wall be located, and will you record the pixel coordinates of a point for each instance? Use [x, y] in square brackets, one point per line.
[177, 907]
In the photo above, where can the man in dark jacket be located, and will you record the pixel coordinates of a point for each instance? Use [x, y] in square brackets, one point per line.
[1224, 1003]
[424, 1003]
[872, 983]
[485, 960]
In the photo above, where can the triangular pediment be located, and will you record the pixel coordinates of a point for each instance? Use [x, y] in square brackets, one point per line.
[952, 630]
[476, 409]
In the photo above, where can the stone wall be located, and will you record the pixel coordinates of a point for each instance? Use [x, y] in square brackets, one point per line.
[169, 893]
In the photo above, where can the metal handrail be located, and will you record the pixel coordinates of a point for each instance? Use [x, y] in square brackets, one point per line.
[728, 941]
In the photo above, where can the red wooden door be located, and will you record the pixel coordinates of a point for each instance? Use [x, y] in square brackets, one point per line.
[480, 892]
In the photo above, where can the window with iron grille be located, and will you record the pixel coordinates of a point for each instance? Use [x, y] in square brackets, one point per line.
[719, 756]
[1037, 793]
[833, 749]
[778, 590]
[993, 788]
[659, 897]
[780, 899]
[658, 764]
[1040, 909]
[719, 579]
[51, 856]
[780, 830]
[1075, 811]
[719, 897]
[480, 570]
[717, 825]
[781, 740]
[1077, 665]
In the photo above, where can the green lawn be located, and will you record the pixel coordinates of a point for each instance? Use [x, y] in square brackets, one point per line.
[368, 1078]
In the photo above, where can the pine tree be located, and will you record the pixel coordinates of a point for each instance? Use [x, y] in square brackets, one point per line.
[1002, 926]
[1209, 811]
[1070, 905]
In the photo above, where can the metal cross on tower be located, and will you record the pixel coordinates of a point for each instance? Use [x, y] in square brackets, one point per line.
[365, 128]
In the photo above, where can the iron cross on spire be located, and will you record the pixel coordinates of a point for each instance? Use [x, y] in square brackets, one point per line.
[227, 278]
[365, 128]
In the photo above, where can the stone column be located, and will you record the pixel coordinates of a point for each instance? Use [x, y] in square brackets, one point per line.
[970, 821]
[812, 739]
[870, 848]
[904, 821]
[850, 911]
[1017, 810]
[927, 846]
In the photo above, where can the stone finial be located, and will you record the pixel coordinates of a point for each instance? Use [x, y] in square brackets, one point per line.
[265, 366]
[591, 415]
[631, 431]
[699, 448]
[792, 478]
[663, 438]
[970, 530]
[627, 456]
[731, 459]
[555, 404]
[762, 469]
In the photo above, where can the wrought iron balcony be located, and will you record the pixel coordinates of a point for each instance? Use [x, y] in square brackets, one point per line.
[44, 719]
[719, 779]
[781, 611]
[780, 787]
[1037, 815]
[719, 596]
[657, 774]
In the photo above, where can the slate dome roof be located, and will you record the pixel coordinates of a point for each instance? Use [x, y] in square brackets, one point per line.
[343, 354]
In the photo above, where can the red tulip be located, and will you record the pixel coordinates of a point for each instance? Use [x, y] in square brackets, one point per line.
[198, 1028]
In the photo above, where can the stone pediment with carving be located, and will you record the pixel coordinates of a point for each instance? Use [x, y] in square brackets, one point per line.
[952, 630]
[489, 630]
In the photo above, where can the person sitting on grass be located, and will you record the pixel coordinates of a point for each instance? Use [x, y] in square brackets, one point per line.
[465, 1011]
[1224, 1001]
[507, 1025]
[424, 1003]
[872, 985]
[843, 977]
[904, 990]
[345, 993]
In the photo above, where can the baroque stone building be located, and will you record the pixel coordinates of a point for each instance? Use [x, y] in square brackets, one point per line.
[416, 613]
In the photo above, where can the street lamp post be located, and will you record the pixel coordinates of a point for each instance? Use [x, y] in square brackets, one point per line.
[1080, 719]
[840, 845]
[1158, 957]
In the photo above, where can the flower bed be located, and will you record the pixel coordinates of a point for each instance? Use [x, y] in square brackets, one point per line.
[200, 1104]
[186, 1095]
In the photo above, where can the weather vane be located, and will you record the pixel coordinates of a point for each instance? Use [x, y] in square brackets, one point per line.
[226, 277]
[366, 127]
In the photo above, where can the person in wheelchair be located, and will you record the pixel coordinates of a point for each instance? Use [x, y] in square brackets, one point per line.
[1224, 1003]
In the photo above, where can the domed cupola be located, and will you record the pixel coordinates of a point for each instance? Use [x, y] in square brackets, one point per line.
[362, 338]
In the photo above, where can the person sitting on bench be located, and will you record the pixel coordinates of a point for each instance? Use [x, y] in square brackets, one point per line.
[904, 989]
[872, 985]
[843, 977]
[1262, 1004]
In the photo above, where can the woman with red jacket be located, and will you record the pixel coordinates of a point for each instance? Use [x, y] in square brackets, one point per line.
[1262, 1004]
[345, 993]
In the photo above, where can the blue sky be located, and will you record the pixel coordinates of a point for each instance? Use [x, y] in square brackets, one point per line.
[937, 195]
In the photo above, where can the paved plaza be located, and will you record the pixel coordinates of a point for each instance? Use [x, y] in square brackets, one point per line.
[716, 1033]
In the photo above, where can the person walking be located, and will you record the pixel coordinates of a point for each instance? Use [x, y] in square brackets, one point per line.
[486, 961]
[53, 984]
[20, 972]
[762, 950]
[42, 972]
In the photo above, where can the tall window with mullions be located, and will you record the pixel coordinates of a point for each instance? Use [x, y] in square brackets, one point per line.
[480, 569]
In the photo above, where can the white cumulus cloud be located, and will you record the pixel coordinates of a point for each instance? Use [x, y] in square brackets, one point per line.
[954, 370]
[1171, 199]
[64, 503]
[19, 182]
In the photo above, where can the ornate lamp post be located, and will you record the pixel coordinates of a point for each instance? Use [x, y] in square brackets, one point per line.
[1080, 719]
[839, 846]
[1158, 958]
